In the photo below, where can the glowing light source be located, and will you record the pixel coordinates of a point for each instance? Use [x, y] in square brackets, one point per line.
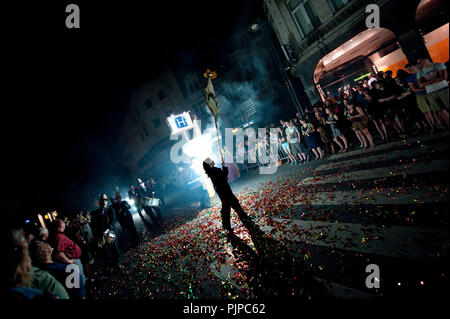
[197, 150]
[255, 27]
[27, 221]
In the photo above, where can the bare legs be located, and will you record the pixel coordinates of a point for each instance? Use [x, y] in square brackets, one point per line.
[363, 135]
[317, 152]
[336, 140]
[430, 119]
[291, 157]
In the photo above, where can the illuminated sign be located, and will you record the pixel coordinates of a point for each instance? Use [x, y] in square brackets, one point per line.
[179, 123]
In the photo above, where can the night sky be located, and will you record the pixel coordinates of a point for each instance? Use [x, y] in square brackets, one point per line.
[68, 90]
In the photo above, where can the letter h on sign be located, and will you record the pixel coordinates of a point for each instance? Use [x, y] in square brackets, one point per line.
[181, 122]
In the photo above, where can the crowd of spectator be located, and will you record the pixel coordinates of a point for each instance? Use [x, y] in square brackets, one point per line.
[380, 108]
[50, 263]
[56, 262]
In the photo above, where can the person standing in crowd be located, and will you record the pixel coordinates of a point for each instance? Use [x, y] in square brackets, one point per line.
[359, 99]
[421, 95]
[125, 218]
[375, 112]
[371, 80]
[406, 98]
[336, 132]
[285, 145]
[25, 281]
[66, 250]
[102, 220]
[293, 138]
[386, 97]
[41, 255]
[320, 125]
[219, 179]
[394, 110]
[83, 240]
[433, 77]
[311, 138]
[42, 234]
[356, 115]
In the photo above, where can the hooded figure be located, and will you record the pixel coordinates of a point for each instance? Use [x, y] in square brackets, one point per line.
[219, 179]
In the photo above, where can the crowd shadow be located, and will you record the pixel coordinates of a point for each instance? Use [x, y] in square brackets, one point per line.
[273, 271]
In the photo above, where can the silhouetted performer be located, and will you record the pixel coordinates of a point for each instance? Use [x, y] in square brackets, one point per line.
[125, 218]
[219, 179]
[142, 195]
[103, 219]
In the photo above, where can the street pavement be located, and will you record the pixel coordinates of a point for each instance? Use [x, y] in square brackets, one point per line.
[317, 226]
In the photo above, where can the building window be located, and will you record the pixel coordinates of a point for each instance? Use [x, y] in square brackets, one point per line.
[148, 103]
[143, 138]
[161, 94]
[305, 15]
[156, 123]
[337, 4]
[138, 114]
[135, 120]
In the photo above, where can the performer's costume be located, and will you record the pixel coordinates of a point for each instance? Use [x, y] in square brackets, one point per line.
[125, 219]
[103, 219]
[142, 194]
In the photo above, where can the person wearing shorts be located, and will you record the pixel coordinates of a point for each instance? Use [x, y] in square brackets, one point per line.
[421, 95]
[293, 137]
[335, 130]
[408, 102]
[355, 114]
[285, 145]
[433, 77]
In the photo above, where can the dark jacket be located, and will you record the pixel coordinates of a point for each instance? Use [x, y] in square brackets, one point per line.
[122, 210]
[101, 220]
[219, 179]
[142, 192]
